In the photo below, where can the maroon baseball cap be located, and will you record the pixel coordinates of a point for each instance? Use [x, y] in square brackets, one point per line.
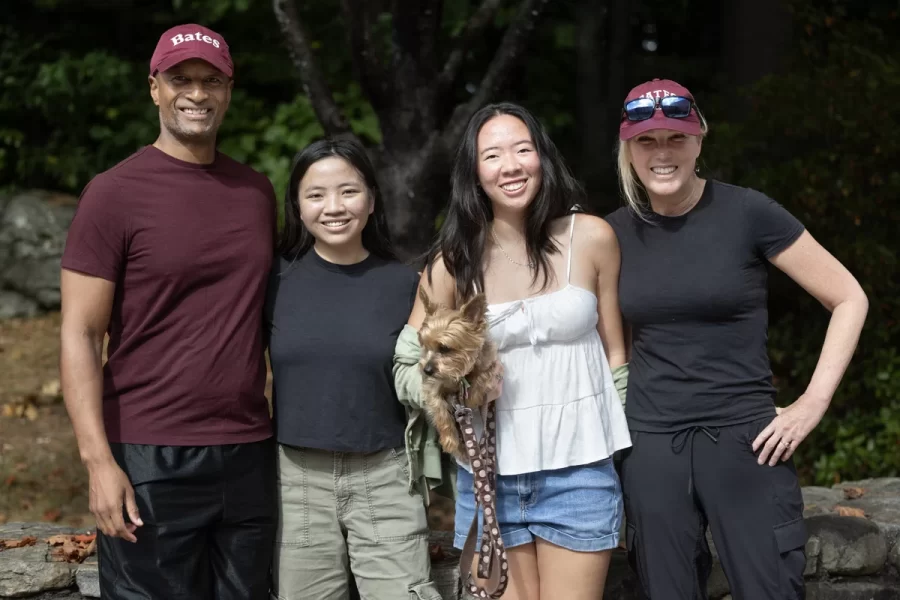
[659, 88]
[191, 41]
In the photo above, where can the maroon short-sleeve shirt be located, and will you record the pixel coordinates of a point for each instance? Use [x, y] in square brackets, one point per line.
[189, 248]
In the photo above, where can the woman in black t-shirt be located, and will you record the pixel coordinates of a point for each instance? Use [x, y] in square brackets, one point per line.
[693, 290]
[337, 301]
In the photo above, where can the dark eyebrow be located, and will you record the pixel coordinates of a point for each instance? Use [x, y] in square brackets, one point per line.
[340, 185]
[515, 144]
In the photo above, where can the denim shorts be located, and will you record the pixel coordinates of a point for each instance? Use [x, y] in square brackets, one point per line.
[578, 508]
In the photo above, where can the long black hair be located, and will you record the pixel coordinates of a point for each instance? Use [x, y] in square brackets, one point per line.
[295, 239]
[461, 240]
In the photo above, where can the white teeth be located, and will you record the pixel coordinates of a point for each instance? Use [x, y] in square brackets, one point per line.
[334, 223]
[512, 187]
[663, 170]
[195, 111]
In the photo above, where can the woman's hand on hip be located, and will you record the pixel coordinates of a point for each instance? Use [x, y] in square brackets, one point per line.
[788, 429]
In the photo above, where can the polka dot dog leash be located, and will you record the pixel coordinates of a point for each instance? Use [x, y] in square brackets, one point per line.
[493, 565]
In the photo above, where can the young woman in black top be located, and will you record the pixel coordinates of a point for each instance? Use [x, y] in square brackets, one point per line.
[337, 301]
[709, 448]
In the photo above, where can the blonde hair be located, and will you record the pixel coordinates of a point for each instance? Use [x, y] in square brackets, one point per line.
[630, 184]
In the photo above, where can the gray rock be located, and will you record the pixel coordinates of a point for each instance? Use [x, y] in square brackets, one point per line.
[889, 485]
[717, 586]
[87, 577]
[26, 572]
[14, 305]
[894, 557]
[33, 231]
[813, 549]
[881, 503]
[72, 594]
[848, 545]
[852, 590]
[15, 530]
[820, 500]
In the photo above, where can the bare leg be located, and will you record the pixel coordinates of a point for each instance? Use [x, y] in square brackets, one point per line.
[569, 574]
[523, 574]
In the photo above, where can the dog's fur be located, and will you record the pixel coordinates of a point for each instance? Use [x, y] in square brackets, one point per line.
[455, 345]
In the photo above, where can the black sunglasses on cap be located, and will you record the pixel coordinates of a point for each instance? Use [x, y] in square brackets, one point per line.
[675, 107]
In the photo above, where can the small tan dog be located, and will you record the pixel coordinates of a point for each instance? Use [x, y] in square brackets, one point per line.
[459, 365]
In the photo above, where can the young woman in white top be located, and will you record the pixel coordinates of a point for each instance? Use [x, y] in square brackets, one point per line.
[550, 275]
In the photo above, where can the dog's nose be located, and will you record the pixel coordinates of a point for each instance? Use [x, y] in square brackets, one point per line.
[428, 369]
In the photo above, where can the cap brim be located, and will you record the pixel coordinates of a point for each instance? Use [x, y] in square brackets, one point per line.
[689, 126]
[179, 57]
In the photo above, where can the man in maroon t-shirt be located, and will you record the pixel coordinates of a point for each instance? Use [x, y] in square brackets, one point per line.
[169, 253]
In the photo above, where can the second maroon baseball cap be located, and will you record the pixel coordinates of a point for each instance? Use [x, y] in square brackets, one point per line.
[655, 89]
[184, 42]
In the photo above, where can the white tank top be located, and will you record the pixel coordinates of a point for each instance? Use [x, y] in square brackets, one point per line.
[559, 407]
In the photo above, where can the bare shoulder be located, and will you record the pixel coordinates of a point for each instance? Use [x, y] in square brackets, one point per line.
[438, 283]
[595, 232]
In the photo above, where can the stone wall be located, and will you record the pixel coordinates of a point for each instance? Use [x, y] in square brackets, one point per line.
[853, 553]
[33, 229]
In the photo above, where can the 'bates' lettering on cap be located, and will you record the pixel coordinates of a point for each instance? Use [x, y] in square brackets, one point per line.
[194, 37]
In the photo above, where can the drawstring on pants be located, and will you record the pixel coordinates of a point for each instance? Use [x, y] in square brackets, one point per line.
[682, 437]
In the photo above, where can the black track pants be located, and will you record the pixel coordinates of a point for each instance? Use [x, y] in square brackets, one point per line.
[209, 518]
[675, 485]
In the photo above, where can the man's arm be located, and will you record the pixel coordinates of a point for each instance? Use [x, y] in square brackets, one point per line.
[86, 306]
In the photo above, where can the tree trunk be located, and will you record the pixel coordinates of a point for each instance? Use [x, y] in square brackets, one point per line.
[602, 65]
[409, 92]
[592, 51]
[618, 24]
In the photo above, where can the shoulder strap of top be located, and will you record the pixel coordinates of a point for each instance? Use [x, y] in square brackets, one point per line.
[571, 237]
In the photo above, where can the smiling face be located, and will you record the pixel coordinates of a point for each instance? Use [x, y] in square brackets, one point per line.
[509, 168]
[193, 97]
[335, 204]
[664, 160]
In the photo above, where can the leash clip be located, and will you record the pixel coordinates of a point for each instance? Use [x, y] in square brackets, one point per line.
[461, 412]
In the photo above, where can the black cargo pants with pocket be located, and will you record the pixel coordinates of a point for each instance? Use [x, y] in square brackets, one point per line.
[678, 484]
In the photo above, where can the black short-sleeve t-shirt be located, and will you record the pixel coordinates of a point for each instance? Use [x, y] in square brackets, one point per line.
[332, 332]
[693, 288]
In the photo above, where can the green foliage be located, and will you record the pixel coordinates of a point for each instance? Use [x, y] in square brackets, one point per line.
[821, 139]
[268, 139]
[80, 116]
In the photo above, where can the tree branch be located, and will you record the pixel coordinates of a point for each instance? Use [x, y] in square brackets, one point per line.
[476, 24]
[511, 47]
[372, 75]
[314, 84]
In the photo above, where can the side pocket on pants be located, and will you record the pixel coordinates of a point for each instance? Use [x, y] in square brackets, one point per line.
[632, 544]
[396, 514]
[424, 591]
[790, 537]
[293, 498]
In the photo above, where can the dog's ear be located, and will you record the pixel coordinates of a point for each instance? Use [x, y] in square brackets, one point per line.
[474, 310]
[426, 301]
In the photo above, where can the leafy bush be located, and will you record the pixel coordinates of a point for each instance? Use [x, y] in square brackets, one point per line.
[821, 139]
